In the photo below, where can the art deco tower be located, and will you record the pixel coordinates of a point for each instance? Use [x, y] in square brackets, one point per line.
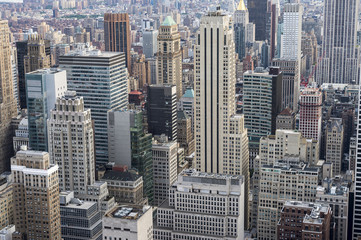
[339, 62]
[169, 56]
[221, 139]
[7, 100]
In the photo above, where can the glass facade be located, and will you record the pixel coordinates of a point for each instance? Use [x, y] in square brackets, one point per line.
[102, 81]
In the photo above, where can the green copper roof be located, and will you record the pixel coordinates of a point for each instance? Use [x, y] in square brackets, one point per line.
[189, 93]
[168, 21]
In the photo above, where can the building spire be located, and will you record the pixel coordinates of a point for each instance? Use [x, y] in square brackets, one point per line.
[241, 6]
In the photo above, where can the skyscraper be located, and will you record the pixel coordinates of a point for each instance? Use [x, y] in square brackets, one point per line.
[169, 55]
[103, 90]
[150, 42]
[117, 35]
[131, 146]
[36, 195]
[292, 28]
[162, 110]
[43, 88]
[311, 113]
[22, 51]
[340, 53]
[357, 190]
[7, 100]
[71, 143]
[220, 136]
[334, 144]
[36, 57]
[258, 15]
[241, 19]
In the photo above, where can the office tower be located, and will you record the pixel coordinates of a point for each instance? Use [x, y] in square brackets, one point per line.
[21, 137]
[43, 87]
[262, 103]
[79, 219]
[258, 15]
[304, 220]
[337, 196]
[22, 51]
[169, 55]
[125, 187]
[275, 189]
[356, 232]
[141, 72]
[334, 144]
[185, 133]
[241, 19]
[340, 53]
[204, 205]
[6, 203]
[150, 42]
[8, 108]
[292, 29]
[220, 133]
[36, 195]
[37, 56]
[88, 74]
[162, 110]
[130, 222]
[186, 103]
[290, 81]
[164, 168]
[71, 143]
[310, 113]
[309, 49]
[131, 146]
[286, 119]
[14, 70]
[117, 35]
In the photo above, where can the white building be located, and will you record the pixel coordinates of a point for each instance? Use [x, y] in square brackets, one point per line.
[164, 168]
[292, 28]
[6, 232]
[71, 143]
[128, 222]
[202, 206]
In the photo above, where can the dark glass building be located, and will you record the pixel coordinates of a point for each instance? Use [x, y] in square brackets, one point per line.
[258, 15]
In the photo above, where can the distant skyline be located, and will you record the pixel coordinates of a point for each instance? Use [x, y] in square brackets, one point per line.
[11, 1]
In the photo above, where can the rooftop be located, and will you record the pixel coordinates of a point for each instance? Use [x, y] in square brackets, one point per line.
[47, 71]
[241, 6]
[120, 176]
[168, 21]
[128, 212]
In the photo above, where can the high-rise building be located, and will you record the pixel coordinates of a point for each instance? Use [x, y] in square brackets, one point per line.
[258, 15]
[219, 132]
[185, 133]
[162, 110]
[290, 81]
[131, 146]
[129, 222]
[6, 203]
[36, 195]
[286, 119]
[311, 113]
[71, 143]
[304, 220]
[36, 57]
[14, 70]
[79, 219]
[125, 187]
[241, 19]
[103, 90]
[8, 108]
[43, 88]
[22, 51]
[150, 42]
[21, 137]
[340, 53]
[202, 206]
[275, 189]
[262, 97]
[357, 190]
[164, 168]
[169, 55]
[334, 144]
[292, 29]
[117, 35]
[337, 196]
